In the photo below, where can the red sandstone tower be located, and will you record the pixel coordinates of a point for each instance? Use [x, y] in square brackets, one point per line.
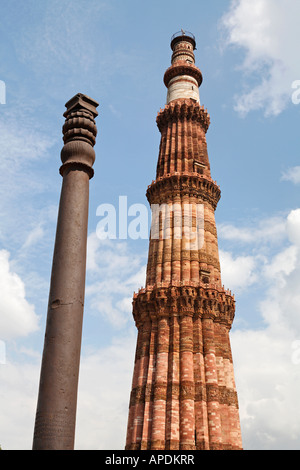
[183, 391]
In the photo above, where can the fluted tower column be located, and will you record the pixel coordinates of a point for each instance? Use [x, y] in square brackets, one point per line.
[183, 391]
[57, 400]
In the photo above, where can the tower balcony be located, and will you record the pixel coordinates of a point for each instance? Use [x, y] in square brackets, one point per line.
[183, 36]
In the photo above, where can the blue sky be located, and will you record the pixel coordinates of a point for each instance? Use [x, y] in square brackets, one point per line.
[117, 53]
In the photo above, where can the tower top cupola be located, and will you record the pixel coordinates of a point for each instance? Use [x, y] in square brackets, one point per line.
[183, 78]
[183, 43]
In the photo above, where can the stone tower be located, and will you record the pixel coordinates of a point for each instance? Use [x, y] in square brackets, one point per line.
[183, 390]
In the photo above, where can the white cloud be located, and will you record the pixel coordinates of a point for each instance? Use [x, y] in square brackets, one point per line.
[267, 377]
[238, 273]
[114, 111]
[293, 226]
[114, 272]
[269, 34]
[22, 145]
[103, 397]
[282, 264]
[268, 387]
[33, 237]
[268, 231]
[23, 176]
[104, 393]
[18, 400]
[21, 141]
[18, 317]
[292, 174]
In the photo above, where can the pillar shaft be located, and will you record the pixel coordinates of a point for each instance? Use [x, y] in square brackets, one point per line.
[57, 400]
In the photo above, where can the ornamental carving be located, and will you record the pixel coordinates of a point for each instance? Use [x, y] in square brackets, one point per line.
[80, 125]
[212, 392]
[187, 390]
[183, 110]
[164, 190]
[180, 301]
[228, 396]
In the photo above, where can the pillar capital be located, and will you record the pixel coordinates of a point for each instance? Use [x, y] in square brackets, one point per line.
[81, 102]
[79, 134]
